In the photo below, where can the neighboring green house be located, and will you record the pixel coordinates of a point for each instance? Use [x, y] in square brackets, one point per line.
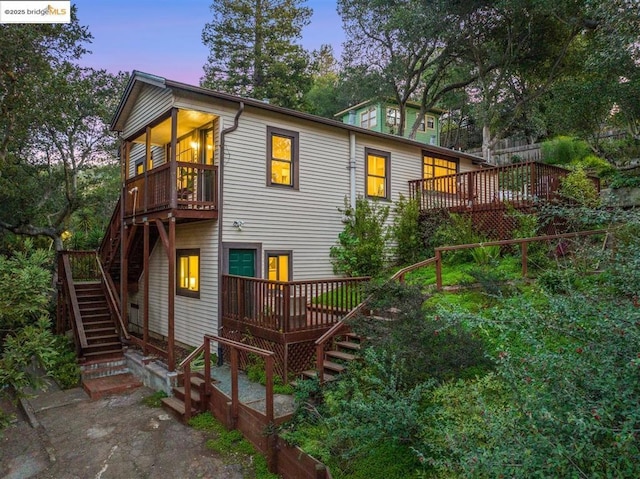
[384, 117]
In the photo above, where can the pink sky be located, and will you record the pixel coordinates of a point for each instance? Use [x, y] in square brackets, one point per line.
[164, 37]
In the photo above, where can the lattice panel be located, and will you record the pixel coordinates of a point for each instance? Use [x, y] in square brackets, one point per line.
[301, 356]
[261, 343]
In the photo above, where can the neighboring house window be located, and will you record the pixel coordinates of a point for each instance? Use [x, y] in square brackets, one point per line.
[438, 167]
[282, 157]
[421, 125]
[279, 265]
[431, 122]
[368, 118]
[393, 116]
[188, 272]
[377, 166]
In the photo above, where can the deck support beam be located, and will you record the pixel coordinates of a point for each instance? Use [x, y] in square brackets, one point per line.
[145, 294]
[171, 359]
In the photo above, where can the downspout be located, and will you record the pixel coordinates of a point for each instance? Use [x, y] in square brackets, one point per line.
[352, 169]
[223, 134]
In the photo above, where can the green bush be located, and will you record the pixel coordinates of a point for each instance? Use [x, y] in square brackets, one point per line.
[409, 242]
[563, 150]
[458, 230]
[362, 245]
[578, 188]
[256, 372]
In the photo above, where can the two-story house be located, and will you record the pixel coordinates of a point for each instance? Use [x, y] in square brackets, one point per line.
[229, 208]
[384, 117]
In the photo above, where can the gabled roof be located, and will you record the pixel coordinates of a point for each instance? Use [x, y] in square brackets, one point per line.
[139, 80]
[413, 104]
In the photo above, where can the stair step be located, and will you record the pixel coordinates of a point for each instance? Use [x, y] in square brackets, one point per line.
[177, 405]
[100, 387]
[179, 393]
[110, 354]
[331, 366]
[312, 374]
[99, 331]
[91, 325]
[197, 381]
[340, 355]
[355, 336]
[348, 345]
[105, 338]
[90, 309]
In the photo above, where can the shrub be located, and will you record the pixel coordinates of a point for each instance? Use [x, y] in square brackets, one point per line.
[458, 230]
[578, 188]
[409, 243]
[562, 150]
[362, 245]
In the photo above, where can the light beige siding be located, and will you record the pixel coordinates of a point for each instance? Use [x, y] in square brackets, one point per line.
[151, 103]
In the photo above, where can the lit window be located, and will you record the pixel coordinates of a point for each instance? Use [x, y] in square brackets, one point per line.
[278, 265]
[368, 118]
[282, 157]
[437, 168]
[377, 173]
[139, 168]
[393, 116]
[188, 272]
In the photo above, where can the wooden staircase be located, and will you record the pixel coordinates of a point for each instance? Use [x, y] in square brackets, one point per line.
[337, 359]
[176, 403]
[103, 341]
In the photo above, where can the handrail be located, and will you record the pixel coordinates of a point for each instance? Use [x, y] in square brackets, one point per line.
[113, 304]
[235, 347]
[73, 299]
[399, 275]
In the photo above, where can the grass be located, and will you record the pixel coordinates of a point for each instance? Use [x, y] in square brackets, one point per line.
[232, 446]
[341, 297]
[154, 400]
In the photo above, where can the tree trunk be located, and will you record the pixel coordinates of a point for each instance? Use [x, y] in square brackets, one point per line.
[486, 143]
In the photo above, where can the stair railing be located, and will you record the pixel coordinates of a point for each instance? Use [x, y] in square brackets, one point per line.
[341, 325]
[185, 365]
[69, 291]
[108, 247]
[113, 300]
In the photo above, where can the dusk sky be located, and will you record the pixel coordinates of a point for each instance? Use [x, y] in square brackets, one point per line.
[164, 37]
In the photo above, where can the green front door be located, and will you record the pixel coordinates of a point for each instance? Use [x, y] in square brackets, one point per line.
[242, 262]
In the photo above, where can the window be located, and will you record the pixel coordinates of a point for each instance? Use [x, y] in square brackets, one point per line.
[431, 122]
[139, 167]
[368, 118]
[188, 272]
[282, 157]
[437, 167]
[393, 116]
[377, 173]
[421, 124]
[279, 265]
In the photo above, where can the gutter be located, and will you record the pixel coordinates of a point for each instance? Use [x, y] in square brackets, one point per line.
[223, 134]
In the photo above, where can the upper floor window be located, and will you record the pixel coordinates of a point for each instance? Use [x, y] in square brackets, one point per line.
[282, 157]
[368, 118]
[377, 172]
[421, 125]
[393, 116]
[431, 122]
[188, 272]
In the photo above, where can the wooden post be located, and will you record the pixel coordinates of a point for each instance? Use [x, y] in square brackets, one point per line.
[145, 293]
[187, 391]
[438, 270]
[524, 258]
[269, 387]
[207, 371]
[147, 161]
[171, 360]
[173, 171]
[234, 387]
[320, 362]
[272, 453]
[124, 273]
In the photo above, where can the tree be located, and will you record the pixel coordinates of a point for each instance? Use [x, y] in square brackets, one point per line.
[327, 94]
[410, 48]
[252, 51]
[48, 175]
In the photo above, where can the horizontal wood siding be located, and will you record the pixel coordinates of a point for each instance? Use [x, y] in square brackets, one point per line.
[151, 103]
[194, 317]
[305, 221]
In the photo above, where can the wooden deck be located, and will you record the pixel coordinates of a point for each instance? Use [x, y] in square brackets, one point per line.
[522, 185]
[286, 317]
[192, 195]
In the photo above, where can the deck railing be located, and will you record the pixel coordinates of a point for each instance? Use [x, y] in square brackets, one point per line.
[289, 306]
[195, 187]
[520, 184]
